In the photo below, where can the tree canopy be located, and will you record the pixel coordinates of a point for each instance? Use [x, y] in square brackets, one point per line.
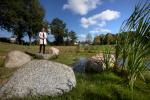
[58, 28]
[60, 31]
[109, 38]
[72, 36]
[21, 16]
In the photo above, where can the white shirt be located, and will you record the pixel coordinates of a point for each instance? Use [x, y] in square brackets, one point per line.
[43, 37]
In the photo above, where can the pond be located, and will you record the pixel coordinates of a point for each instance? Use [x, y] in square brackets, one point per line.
[79, 65]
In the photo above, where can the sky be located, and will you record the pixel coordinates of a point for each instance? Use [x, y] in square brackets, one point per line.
[87, 16]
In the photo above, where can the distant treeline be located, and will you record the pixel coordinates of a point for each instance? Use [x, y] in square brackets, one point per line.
[110, 38]
[4, 39]
[107, 39]
[102, 39]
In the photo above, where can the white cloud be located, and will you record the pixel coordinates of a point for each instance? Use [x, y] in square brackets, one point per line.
[102, 24]
[81, 7]
[85, 22]
[100, 19]
[100, 31]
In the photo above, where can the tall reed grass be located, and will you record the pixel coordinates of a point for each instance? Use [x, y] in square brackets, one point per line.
[133, 42]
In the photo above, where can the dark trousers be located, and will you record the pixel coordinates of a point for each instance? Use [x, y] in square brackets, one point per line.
[42, 45]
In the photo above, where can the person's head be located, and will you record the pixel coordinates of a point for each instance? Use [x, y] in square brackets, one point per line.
[43, 29]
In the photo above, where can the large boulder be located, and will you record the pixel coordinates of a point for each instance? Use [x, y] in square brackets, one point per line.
[39, 77]
[94, 66]
[85, 65]
[54, 51]
[16, 59]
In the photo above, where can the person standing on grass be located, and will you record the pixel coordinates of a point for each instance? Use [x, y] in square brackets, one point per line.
[43, 41]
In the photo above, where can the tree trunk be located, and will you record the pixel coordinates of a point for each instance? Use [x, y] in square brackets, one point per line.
[19, 38]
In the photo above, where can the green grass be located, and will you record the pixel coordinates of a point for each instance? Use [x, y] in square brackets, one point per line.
[103, 86]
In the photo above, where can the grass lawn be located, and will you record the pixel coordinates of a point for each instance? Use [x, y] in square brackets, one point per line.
[103, 86]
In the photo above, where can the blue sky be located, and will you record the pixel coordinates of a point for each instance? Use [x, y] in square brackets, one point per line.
[88, 16]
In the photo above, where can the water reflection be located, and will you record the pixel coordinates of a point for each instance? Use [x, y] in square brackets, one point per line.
[79, 65]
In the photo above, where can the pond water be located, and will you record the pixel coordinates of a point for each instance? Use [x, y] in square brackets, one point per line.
[79, 65]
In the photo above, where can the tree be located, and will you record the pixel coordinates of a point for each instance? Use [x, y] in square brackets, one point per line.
[66, 35]
[89, 38]
[58, 28]
[21, 16]
[97, 40]
[72, 36]
[102, 39]
[10, 18]
[34, 15]
[109, 38]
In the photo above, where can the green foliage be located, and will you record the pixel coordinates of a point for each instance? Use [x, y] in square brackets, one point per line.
[97, 40]
[58, 28]
[110, 38]
[34, 15]
[105, 39]
[71, 37]
[21, 16]
[109, 59]
[89, 49]
[132, 48]
[61, 33]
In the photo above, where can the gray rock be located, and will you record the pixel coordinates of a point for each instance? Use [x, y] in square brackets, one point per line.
[54, 51]
[39, 77]
[43, 56]
[16, 59]
[85, 65]
[93, 65]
